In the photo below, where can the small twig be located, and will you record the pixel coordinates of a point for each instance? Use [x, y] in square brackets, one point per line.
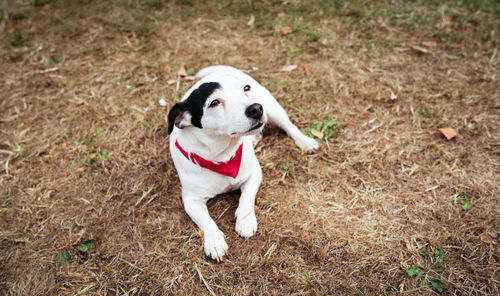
[85, 290]
[144, 195]
[203, 280]
[132, 265]
[223, 212]
[413, 290]
[270, 251]
[42, 71]
[493, 55]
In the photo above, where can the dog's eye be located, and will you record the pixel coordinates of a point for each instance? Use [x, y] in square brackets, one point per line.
[214, 103]
[246, 88]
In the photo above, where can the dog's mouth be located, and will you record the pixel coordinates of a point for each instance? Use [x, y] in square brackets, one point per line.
[257, 126]
[249, 131]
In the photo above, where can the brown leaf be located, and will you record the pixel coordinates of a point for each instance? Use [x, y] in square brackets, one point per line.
[448, 22]
[139, 83]
[250, 60]
[322, 254]
[420, 49]
[308, 68]
[45, 7]
[182, 72]
[63, 145]
[317, 134]
[331, 259]
[79, 170]
[288, 68]
[282, 14]
[139, 118]
[449, 133]
[485, 238]
[429, 43]
[171, 81]
[11, 30]
[286, 30]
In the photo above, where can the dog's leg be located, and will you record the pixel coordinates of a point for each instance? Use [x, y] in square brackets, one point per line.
[277, 116]
[214, 243]
[246, 222]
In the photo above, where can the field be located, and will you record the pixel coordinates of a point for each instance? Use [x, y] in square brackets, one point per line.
[90, 201]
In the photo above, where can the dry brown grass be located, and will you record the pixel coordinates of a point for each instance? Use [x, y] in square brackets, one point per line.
[348, 219]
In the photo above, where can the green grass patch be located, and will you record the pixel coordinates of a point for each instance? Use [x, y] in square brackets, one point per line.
[463, 200]
[433, 264]
[327, 128]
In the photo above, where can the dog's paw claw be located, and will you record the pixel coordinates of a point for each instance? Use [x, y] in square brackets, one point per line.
[307, 144]
[215, 246]
[246, 226]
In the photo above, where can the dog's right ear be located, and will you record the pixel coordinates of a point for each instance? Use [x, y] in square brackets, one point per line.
[178, 116]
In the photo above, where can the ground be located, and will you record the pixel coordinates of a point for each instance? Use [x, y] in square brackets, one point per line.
[90, 200]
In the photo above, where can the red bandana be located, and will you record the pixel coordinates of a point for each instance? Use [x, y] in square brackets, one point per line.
[229, 168]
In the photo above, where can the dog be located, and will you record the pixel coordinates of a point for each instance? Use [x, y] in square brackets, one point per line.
[213, 131]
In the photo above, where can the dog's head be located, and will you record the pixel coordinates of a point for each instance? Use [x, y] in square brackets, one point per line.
[222, 108]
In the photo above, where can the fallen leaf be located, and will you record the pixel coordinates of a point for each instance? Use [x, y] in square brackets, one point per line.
[288, 68]
[250, 60]
[136, 49]
[282, 14]
[331, 259]
[162, 102]
[429, 43]
[448, 22]
[182, 72]
[317, 134]
[79, 170]
[189, 78]
[16, 25]
[394, 97]
[485, 238]
[449, 133]
[308, 68]
[139, 83]
[419, 49]
[11, 30]
[63, 145]
[139, 118]
[251, 21]
[171, 81]
[286, 30]
[45, 7]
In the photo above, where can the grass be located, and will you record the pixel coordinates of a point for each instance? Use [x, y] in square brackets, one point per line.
[90, 200]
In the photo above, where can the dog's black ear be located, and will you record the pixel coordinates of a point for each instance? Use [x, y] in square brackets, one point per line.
[178, 116]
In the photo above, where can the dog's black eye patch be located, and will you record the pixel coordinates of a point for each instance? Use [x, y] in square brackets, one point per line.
[194, 103]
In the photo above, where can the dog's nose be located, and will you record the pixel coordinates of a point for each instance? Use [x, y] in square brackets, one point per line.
[254, 111]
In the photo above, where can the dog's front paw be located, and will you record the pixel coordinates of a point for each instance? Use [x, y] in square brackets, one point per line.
[246, 225]
[307, 144]
[215, 245]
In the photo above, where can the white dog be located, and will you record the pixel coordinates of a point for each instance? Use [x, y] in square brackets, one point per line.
[218, 122]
